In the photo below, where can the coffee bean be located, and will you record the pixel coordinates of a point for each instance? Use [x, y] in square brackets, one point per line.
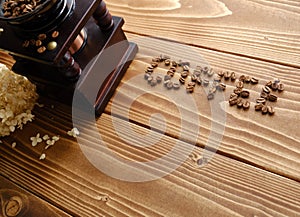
[146, 76]
[167, 62]
[167, 77]
[232, 76]
[266, 89]
[239, 103]
[221, 87]
[192, 84]
[240, 84]
[184, 74]
[199, 81]
[276, 80]
[170, 85]
[26, 43]
[55, 34]
[185, 63]
[272, 97]
[205, 70]
[246, 105]
[197, 72]
[233, 101]
[237, 91]
[247, 79]
[38, 43]
[173, 69]
[150, 78]
[212, 89]
[205, 82]
[233, 95]
[227, 75]
[245, 94]
[42, 36]
[176, 85]
[210, 72]
[166, 82]
[269, 84]
[254, 81]
[156, 59]
[194, 78]
[217, 78]
[14, 8]
[221, 73]
[210, 96]
[171, 73]
[264, 110]
[264, 95]
[182, 80]
[154, 64]
[199, 68]
[186, 68]
[189, 89]
[153, 82]
[150, 69]
[174, 63]
[41, 49]
[242, 78]
[261, 100]
[274, 86]
[164, 57]
[258, 106]
[158, 79]
[271, 110]
[32, 42]
[281, 87]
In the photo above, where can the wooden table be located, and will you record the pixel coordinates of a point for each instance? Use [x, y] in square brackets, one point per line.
[256, 168]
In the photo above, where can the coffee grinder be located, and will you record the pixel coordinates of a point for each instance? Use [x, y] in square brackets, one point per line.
[53, 43]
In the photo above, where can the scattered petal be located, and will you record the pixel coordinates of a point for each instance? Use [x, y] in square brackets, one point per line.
[74, 132]
[40, 105]
[43, 156]
[14, 144]
[46, 137]
[55, 138]
[50, 142]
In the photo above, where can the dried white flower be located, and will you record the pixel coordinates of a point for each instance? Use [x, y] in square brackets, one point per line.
[14, 144]
[50, 142]
[46, 137]
[74, 132]
[35, 140]
[55, 138]
[17, 99]
[43, 156]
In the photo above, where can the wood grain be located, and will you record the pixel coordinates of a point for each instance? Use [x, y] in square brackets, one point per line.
[224, 187]
[6, 59]
[31, 205]
[265, 141]
[259, 29]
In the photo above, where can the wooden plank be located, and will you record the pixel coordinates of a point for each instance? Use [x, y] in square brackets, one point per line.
[28, 204]
[268, 142]
[224, 187]
[261, 29]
